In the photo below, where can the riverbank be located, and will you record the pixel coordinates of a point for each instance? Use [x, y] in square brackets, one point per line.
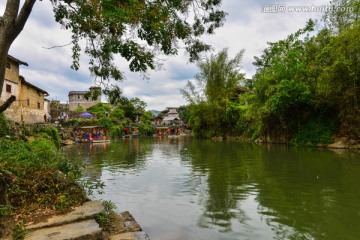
[91, 221]
[338, 142]
[38, 183]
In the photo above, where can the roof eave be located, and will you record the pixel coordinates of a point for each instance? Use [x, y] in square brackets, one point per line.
[17, 60]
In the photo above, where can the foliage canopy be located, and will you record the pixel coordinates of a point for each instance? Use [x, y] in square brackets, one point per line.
[137, 30]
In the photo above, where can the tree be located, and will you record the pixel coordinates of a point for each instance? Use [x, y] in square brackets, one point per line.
[117, 113]
[146, 117]
[342, 14]
[137, 30]
[138, 104]
[209, 97]
[285, 83]
[80, 109]
[216, 80]
[184, 113]
[99, 109]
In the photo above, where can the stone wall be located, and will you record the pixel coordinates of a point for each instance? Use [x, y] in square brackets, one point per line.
[32, 115]
[12, 73]
[14, 91]
[30, 97]
[78, 99]
[12, 79]
[13, 113]
[19, 114]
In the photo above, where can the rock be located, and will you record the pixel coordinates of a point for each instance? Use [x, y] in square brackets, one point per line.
[130, 236]
[259, 140]
[127, 216]
[123, 222]
[339, 143]
[84, 230]
[132, 226]
[86, 211]
[352, 142]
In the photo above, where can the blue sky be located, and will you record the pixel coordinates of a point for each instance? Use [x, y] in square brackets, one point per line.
[247, 27]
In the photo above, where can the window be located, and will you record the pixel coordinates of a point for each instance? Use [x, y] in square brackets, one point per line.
[78, 96]
[28, 102]
[8, 88]
[38, 105]
[8, 65]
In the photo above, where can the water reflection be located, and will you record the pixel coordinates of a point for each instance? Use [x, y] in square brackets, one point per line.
[229, 181]
[183, 188]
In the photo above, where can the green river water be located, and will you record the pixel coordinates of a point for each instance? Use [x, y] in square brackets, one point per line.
[183, 188]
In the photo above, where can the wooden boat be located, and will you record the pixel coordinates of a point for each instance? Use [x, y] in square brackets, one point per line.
[173, 136]
[92, 134]
[100, 141]
[67, 142]
[131, 132]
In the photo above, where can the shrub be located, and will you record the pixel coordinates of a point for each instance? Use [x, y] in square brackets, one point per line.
[5, 126]
[50, 132]
[43, 177]
[315, 130]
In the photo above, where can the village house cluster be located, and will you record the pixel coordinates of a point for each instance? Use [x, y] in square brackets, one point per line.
[31, 106]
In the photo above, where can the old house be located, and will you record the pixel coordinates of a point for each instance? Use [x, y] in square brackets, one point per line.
[29, 105]
[169, 116]
[32, 102]
[11, 83]
[79, 99]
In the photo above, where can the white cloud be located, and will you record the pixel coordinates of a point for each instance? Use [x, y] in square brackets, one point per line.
[247, 27]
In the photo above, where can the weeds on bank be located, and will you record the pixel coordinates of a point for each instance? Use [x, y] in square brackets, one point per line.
[90, 186]
[41, 177]
[104, 218]
[6, 210]
[20, 231]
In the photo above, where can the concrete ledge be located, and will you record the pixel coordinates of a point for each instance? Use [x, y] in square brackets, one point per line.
[130, 236]
[80, 225]
[85, 230]
[86, 211]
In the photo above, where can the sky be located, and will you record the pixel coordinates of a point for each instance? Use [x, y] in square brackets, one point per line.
[249, 25]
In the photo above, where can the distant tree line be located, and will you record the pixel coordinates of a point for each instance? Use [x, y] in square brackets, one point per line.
[306, 86]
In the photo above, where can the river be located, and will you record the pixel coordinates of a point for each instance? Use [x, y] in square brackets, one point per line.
[184, 188]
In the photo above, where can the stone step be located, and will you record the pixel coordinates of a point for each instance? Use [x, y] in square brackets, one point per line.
[122, 223]
[80, 225]
[86, 211]
[130, 236]
[84, 230]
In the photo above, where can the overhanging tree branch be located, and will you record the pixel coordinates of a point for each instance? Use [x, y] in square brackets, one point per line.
[7, 103]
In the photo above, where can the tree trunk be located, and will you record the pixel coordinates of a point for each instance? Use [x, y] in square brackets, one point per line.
[7, 104]
[11, 25]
